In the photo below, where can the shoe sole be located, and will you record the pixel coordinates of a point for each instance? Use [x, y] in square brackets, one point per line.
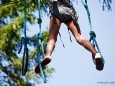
[99, 64]
[44, 63]
[37, 69]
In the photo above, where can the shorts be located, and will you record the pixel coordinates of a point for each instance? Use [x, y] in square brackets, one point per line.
[63, 13]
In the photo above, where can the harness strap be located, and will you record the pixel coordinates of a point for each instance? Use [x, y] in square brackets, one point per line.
[69, 35]
[61, 40]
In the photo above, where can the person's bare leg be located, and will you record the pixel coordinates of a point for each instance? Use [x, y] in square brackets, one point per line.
[79, 38]
[53, 32]
[86, 44]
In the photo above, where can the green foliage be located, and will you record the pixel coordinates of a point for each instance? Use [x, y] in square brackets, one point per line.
[10, 36]
[11, 29]
[46, 35]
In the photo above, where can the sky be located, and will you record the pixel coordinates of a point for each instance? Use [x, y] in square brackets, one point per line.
[73, 64]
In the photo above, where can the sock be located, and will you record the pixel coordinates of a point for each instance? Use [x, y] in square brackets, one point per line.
[98, 55]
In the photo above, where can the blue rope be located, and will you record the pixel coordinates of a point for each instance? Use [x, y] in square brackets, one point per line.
[40, 38]
[92, 33]
[24, 40]
[39, 15]
[25, 18]
[84, 2]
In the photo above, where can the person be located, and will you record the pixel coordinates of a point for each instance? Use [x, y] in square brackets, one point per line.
[62, 11]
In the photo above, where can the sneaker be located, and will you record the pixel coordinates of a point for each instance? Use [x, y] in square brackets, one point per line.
[46, 60]
[37, 69]
[99, 62]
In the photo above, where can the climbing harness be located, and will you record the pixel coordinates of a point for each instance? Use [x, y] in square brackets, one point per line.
[92, 33]
[24, 41]
[39, 44]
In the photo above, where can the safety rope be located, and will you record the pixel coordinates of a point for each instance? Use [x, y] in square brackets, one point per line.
[92, 33]
[25, 18]
[24, 41]
[61, 39]
[39, 39]
[69, 35]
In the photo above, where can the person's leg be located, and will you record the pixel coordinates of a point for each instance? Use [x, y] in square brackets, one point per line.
[79, 38]
[86, 44]
[53, 32]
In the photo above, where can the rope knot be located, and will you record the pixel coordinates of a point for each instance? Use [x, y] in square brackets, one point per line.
[40, 36]
[92, 35]
[39, 20]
